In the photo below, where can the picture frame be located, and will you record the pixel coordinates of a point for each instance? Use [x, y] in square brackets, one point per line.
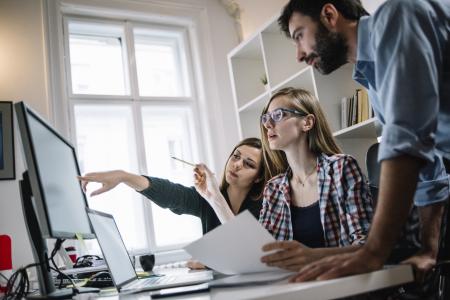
[7, 158]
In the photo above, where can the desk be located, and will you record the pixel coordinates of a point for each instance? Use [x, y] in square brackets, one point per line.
[329, 289]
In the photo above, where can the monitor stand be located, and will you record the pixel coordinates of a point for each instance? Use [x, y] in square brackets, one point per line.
[40, 252]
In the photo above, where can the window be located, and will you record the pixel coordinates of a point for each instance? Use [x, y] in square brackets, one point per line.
[133, 106]
[160, 64]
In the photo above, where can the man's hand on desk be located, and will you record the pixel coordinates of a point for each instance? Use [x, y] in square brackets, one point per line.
[422, 264]
[195, 265]
[289, 255]
[357, 262]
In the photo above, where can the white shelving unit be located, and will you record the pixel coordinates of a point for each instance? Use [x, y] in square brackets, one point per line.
[268, 52]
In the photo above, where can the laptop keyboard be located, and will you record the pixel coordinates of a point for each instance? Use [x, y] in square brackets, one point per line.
[183, 279]
[173, 265]
[141, 283]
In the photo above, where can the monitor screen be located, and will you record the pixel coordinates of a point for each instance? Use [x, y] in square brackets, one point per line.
[53, 168]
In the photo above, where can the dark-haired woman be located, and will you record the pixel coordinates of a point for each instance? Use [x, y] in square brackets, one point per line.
[242, 185]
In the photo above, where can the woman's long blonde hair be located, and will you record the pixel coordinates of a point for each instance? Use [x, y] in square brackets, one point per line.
[320, 139]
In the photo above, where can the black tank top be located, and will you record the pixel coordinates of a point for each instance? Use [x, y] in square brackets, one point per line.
[306, 225]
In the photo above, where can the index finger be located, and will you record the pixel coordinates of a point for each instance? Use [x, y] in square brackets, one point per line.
[84, 185]
[87, 177]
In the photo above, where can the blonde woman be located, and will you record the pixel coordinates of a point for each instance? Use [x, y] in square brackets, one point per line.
[320, 203]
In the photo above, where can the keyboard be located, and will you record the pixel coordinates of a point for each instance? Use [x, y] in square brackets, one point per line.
[141, 283]
[170, 280]
[85, 270]
[66, 282]
[173, 265]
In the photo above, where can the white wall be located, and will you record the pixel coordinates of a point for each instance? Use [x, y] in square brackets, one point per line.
[254, 14]
[223, 38]
[22, 77]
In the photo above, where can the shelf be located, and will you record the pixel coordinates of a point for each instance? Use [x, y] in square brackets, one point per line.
[365, 129]
[256, 104]
[271, 26]
[277, 46]
[247, 65]
[269, 52]
[302, 79]
[249, 49]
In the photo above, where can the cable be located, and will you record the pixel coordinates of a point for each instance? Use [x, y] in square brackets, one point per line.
[55, 250]
[18, 285]
[19, 290]
[65, 276]
[4, 277]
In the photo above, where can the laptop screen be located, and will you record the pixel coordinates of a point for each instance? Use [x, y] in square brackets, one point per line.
[112, 246]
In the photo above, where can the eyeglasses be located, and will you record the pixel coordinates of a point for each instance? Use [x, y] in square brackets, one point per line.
[278, 114]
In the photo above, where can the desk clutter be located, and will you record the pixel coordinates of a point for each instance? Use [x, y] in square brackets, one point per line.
[95, 278]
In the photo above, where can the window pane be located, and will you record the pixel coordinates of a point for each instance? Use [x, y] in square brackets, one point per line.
[105, 140]
[160, 66]
[169, 132]
[96, 61]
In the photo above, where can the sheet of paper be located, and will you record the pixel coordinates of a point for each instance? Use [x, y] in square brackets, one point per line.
[251, 279]
[234, 247]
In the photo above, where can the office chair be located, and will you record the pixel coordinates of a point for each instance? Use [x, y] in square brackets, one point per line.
[443, 259]
[373, 171]
[412, 227]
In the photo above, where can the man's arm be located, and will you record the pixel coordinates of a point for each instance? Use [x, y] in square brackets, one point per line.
[398, 181]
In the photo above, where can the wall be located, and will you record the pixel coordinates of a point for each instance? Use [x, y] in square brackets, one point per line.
[22, 77]
[254, 15]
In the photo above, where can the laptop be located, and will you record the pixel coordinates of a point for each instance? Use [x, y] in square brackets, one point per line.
[122, 271]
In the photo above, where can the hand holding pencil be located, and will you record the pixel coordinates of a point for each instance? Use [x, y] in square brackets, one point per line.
[207, 186]
[205, 182]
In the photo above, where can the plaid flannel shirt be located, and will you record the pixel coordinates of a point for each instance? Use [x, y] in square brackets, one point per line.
[344, 199]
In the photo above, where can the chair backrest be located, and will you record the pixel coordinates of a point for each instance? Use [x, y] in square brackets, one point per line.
[373, 170]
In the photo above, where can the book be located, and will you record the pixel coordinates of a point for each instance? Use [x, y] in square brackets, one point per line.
[344, 112]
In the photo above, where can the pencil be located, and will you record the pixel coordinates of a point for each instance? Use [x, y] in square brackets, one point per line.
[183, 161]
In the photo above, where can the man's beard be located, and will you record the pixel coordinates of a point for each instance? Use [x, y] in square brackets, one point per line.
[331, 49]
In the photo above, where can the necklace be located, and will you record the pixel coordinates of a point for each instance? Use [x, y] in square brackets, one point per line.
[302, 182]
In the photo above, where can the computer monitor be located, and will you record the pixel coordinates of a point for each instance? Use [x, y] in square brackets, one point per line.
[52, 169]
[53, 201]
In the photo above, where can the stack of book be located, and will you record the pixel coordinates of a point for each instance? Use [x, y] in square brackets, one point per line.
[355, 109]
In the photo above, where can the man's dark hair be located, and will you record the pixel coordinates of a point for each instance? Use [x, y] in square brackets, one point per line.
[350, 9]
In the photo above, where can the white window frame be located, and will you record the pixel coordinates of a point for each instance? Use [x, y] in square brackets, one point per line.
[63, 107]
